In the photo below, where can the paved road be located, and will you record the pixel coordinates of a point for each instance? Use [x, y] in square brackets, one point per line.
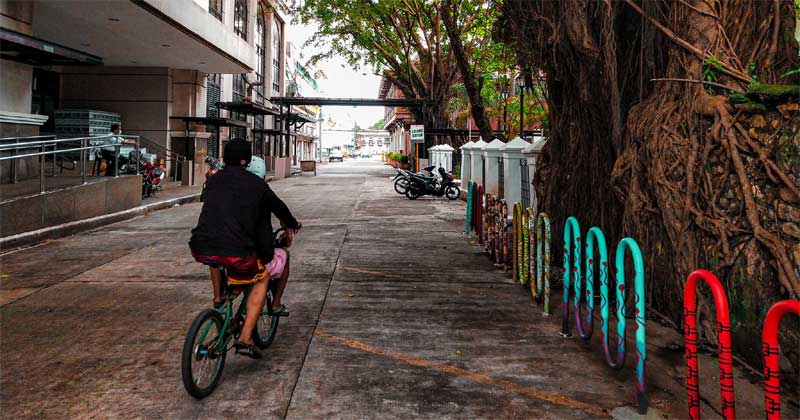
[394, 315]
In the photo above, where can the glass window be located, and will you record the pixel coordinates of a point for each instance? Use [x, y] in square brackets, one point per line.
[240, 18]
[260, 42]
[276, 56]
[238, 95]
[215, 8]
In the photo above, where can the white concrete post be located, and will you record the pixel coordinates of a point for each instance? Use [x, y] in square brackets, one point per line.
[476, 151]
[512, 170]
[532, 153]
[446, 157]
[466, 164]
[491, 152]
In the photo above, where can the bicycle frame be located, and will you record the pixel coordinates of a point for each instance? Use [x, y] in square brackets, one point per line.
[227, 314]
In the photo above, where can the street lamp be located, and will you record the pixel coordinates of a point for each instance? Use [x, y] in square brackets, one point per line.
[504, 97]
[520, 82]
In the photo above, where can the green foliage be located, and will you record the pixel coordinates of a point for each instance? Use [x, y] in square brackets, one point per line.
[378, 125]
[751, 71]
[711, 67]
[791, 72]
[457, 171]
[403, 158]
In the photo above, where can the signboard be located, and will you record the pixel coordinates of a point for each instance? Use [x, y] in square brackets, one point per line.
[417, 134]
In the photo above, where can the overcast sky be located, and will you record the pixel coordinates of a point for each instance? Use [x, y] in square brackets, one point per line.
[342, 82]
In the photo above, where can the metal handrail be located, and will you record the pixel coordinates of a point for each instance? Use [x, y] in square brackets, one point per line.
[32, 144]
[28, 137]
[52, 144]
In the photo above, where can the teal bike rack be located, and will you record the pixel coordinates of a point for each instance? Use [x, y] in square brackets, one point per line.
[572, 251]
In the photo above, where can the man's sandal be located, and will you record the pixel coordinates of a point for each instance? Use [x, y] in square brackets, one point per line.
[282, 311]
[249, 350]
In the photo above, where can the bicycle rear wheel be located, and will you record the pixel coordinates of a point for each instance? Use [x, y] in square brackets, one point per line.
[266, 325]
[201, 360]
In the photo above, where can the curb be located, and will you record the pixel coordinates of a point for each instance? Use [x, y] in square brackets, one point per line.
[66, 229]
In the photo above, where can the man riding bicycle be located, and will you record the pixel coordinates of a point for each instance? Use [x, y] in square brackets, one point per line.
[235, 231]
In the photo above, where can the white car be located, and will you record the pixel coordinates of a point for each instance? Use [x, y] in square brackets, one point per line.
[336, 154]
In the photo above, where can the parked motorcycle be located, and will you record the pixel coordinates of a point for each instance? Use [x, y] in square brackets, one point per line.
[401, 180]
[419, 186]
[214, 166]
[151, 179]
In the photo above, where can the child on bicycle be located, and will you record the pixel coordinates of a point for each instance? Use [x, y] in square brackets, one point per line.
[235, 231]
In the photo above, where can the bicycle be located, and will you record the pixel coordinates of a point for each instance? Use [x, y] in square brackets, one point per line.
[207, 349]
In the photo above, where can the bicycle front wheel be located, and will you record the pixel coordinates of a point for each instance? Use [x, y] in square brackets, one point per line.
[202, 360]
[266, 325]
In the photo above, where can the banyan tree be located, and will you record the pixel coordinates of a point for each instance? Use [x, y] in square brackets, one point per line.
[677, 122]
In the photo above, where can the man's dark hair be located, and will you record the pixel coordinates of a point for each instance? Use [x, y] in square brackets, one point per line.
[114, 127]
[237, 153]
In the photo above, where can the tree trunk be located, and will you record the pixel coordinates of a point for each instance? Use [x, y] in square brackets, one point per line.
[477, 108]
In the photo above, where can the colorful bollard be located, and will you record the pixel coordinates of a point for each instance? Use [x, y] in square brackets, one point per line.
[723, 336]
[572, 252]
[468, 219]
[542, 260]
[639, 309]
[772, 378]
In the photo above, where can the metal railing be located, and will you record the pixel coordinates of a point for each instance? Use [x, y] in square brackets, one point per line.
[50, 146]
[169, 155]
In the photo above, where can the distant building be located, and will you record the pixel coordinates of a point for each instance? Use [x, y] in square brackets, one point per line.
[302, 81]
[397, 120]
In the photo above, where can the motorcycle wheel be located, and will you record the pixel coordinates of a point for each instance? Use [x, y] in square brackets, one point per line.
[452, 192]
[401, 186]
[412, 193]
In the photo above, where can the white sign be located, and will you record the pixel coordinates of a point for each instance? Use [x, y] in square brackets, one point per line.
[417, 133]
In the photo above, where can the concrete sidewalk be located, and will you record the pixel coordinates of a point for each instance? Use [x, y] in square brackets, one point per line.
[394, 314]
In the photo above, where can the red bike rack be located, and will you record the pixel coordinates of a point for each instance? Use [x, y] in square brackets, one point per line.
[723, 336]
[772, 378]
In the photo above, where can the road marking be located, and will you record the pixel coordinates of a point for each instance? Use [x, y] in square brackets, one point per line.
[477, 377]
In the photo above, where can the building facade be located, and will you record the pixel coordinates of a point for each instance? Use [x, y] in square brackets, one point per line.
[397, 120]
[167, 67]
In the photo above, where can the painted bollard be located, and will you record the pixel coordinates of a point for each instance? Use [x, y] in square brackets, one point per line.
[524, 257]
[572, 253]
[585, 331]
[772, 378]
[639, 316]
[542, 260]
[468, 218]
[516, 242]
[723, 337]
[478, 208]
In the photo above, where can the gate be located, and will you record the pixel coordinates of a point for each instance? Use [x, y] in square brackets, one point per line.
[525, 183]
[501, 179]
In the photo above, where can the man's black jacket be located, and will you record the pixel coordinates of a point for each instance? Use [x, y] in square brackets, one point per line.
[236, 216]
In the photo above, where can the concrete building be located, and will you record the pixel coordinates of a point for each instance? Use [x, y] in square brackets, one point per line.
[397, 120]
[301, 80]
[372, 142]
[185, 75]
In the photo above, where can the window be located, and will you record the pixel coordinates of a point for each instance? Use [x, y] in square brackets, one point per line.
[260, 42]
[276, 56]
[240, 18]
[238, 95]
[215, 8]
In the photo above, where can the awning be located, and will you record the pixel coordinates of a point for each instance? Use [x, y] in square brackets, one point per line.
[249, 108]
[215, 121]
[300, 118]
[15, 46]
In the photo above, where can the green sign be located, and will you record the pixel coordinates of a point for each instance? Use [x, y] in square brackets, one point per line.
[417, 133]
